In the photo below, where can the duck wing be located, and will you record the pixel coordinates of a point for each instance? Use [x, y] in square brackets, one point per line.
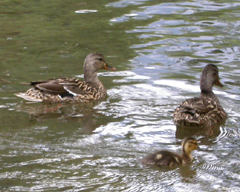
[51, 88]
[162, 158]
[197, 105]
[62, 86]
[202, 111]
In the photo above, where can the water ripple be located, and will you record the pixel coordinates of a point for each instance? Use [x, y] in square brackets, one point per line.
[160, 49]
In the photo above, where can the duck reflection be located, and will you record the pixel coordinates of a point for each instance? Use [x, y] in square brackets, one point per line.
[187, 173]
[83, 113]
[184, 131]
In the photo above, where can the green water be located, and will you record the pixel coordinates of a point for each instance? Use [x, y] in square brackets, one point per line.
[159, 50]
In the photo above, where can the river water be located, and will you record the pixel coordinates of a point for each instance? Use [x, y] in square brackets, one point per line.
[159, 49]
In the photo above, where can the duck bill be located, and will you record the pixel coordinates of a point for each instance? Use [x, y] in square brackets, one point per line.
[218, 83]
[109, 68]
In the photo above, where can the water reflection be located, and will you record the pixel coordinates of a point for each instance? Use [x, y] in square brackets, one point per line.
[159, 49]
[83, 113]
[213, 131]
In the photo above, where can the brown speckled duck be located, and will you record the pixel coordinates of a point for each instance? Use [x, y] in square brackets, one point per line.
[204, 110]
[71, 89]
[167, 158]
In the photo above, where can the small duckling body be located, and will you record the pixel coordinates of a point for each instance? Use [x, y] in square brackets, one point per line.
[170, 159]
[205, 110]
[71, 89]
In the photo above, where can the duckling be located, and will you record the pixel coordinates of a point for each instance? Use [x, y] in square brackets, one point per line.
[203, 111]
[71, 89]
[167, 158]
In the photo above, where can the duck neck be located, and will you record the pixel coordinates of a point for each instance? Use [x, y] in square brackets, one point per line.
[207, 94]
[187, 155]
[187, 158]
[185, 150]
[205, 85]
[91, 77]
[206, 90]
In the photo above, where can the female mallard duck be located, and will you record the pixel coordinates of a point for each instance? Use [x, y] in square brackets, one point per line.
[167, 158]
[71, 89]
[205, 110]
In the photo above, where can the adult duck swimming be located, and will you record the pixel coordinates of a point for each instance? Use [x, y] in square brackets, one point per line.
[71, 89]
[205, 110]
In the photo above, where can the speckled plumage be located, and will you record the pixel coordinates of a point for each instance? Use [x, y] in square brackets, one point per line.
[170, 159]
[205, 110]
[71, 89]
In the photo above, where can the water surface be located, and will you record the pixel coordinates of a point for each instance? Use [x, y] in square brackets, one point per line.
[159, 50]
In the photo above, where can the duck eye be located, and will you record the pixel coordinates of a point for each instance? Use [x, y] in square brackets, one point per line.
[100, 59]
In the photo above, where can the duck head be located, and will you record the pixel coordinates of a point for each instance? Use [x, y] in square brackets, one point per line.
[93, 63]
[188, 145]
[210, 77]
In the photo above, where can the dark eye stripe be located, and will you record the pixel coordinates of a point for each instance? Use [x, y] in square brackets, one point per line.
[194, 143]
